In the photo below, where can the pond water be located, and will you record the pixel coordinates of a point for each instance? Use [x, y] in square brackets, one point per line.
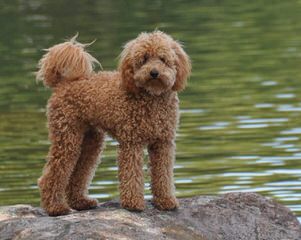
[240, 127]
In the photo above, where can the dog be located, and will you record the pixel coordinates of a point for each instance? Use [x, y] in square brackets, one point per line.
[137, 105]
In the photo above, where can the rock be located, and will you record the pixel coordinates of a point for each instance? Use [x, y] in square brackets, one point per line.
[231, 216]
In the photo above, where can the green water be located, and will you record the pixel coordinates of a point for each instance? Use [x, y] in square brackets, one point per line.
[240, 125]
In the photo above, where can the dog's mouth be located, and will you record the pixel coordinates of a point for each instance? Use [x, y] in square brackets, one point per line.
[155, 86]
[157, 82]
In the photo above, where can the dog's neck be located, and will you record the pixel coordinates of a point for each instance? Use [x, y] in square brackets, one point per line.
[146, 96]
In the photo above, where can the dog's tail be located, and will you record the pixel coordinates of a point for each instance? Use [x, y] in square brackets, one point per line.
[66, 62]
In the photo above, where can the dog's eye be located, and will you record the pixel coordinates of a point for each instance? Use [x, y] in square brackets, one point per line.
[145, 58]
[163, 59]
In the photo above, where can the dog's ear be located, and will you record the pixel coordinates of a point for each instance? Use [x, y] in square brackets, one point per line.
[183, 67]
[126, 68]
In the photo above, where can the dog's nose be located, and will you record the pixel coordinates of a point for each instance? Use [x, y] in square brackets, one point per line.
[154, 73]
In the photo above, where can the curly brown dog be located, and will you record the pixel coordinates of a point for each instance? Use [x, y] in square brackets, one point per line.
[137, 105]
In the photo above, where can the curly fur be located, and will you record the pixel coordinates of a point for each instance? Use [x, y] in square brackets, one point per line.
[133, 105]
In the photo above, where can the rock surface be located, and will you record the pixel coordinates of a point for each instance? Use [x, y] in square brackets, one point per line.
[231, 216]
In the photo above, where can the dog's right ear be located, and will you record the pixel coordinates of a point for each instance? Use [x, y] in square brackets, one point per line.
[126, 68]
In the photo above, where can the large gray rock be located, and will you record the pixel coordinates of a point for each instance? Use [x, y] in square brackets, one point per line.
[231, 216]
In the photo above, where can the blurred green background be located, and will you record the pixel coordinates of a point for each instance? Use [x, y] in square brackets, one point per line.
[240, 125]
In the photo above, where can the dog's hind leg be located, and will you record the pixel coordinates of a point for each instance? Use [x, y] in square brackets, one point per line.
[66, 138]
[77, 190]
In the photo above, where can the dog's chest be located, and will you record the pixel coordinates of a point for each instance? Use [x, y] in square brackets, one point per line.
[146, 121]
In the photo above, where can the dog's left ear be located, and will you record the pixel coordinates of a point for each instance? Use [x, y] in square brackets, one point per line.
[126, 69]
[183, 67]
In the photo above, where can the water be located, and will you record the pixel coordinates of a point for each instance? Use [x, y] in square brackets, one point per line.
[240, 126]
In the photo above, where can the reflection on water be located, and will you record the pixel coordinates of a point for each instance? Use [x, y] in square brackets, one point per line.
[240, 127]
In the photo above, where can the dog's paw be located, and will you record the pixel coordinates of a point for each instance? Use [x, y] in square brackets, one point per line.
[134, 205]
[58, 210]
[166, 204]
[83, 203]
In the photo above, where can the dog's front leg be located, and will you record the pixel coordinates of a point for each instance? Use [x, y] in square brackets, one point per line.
[131, 187]
[161, 155]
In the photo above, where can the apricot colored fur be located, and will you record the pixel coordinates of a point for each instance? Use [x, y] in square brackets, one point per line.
[137, 109]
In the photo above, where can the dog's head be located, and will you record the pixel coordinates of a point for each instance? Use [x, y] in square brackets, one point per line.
[154, 62]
